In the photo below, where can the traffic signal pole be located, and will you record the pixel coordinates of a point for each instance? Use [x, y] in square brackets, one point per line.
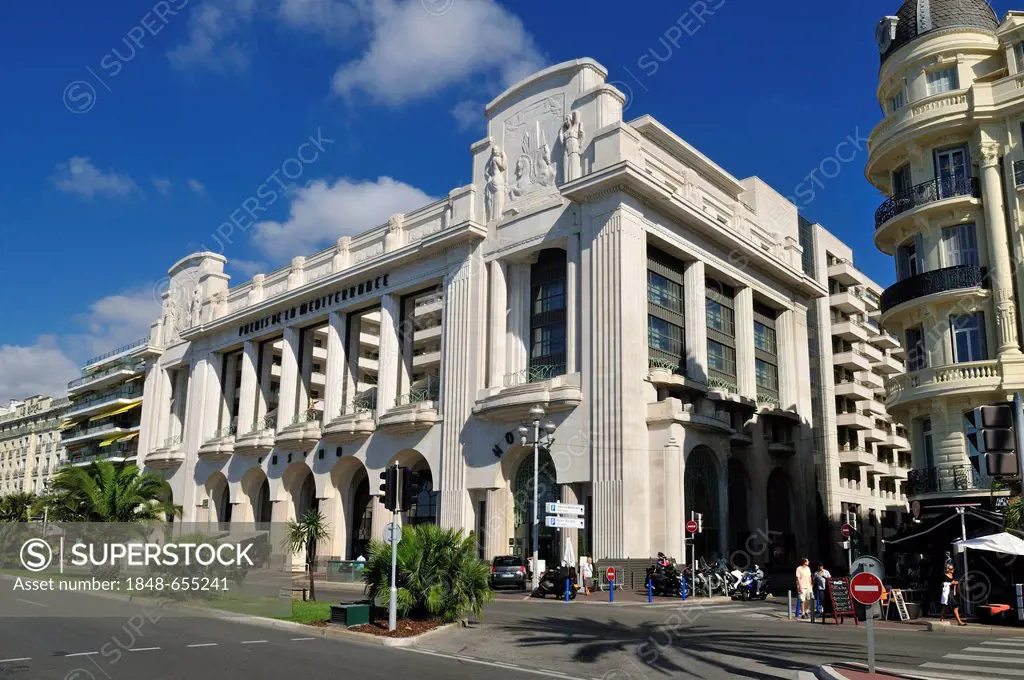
[393, 607]
[1018, 412]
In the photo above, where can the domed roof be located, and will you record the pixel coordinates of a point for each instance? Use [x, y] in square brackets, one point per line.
[919, 17]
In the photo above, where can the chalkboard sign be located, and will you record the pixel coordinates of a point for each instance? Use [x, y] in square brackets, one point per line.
[842, 603]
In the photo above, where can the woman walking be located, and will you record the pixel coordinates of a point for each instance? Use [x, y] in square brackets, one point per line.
[588, 575]
[950, 597]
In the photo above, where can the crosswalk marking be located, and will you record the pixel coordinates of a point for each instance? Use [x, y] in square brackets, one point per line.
[974, 657]
[993, 650]
[961, 676]
[1001, 659]
[1004, 642]
[973, 670]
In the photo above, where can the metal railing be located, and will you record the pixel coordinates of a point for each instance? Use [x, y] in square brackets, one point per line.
[768, 399]
[127, 364]
[126, 392]
[536, 373]
[171, 442]
[925, 193]
[119, 350]
[223, 432]
[267, 422]
[672, 365]
[1018, 173]
[935, 281]
[716, 383]
[429, 390]
[310, 415]
[947, 479]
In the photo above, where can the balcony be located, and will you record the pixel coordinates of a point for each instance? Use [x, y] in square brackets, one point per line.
[783, 449]
[974, 376]
[120, 350]
[950, 479]
[416, 410]
[704, 416]
[259, 440]
[850, 330]
[853, 359]
[845, 273]
[855, 420]
[874, 434]
[885, 340]
[169, 455]
[665, 374]
[109, 376]
[356, 420]
[548, 386]
[97, 402]
[220, 445]
[304, 433]
[855, 389]
[104, 431]
[934, 283]
[857, 456]
[850, 301]
[924, 196]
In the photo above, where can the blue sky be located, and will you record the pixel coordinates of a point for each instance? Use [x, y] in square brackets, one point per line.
[128, 138]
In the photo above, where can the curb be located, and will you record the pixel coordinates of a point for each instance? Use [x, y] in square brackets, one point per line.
[829, 672]
[330, 631]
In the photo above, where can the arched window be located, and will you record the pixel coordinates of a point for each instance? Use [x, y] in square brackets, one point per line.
[424, 508]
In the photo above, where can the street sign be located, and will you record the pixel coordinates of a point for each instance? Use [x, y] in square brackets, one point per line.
[868, 563]
[562, 522]
[610, 574]
[691, 527]
[866, 588]
[845, 531]
[915, 509]
[392, 533]
[564, 509]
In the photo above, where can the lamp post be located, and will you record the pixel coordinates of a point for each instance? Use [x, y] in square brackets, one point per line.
[536, 414]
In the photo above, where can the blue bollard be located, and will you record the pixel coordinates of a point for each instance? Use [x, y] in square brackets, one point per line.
[566, 590]
[650, 591]
[611, 590]
[682, 589]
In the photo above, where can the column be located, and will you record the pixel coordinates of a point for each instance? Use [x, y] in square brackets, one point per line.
[498, 329]
[723, 506]
[746, 376]
[498, 525]
[673, 494]
[406, 332]
[305, 370]
[571, 536]
[163, 416]
[149, 424]
[286, 398]
[999, 251]
[335, 376]
[572, 303]
[230, 377]
[785, 341]
[379, 518]
[211, 405]
[181, 391]
[696, 329]
[518, 326]
[388, 355]
[247, 394]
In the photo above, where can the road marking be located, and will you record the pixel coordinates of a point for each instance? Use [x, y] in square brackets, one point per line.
[23, 658]
[38, 604]
[992, 650]
[481, 662]
[252, 642]
[970, 669]
[987, 659]
[144, 649]
[68, 656]
[952, 676]
[203, 644]
[1004, 643]
[299, 639]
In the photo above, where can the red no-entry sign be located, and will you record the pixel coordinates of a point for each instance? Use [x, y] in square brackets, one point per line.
[691, 527]
[866, 588]
[610, 574]
[845, 531]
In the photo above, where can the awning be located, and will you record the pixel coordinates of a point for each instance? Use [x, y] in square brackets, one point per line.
[108, 442]
[70, 424]
[1002, 543]
[125, 438]
[941, 527]
[121, 409]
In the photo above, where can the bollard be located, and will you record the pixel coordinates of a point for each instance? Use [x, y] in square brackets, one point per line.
[682, 588]
[611, 590]
[650, 591]
[789, 598]
[566, 590]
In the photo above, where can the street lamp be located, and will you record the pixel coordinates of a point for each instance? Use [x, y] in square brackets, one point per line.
[536, 414]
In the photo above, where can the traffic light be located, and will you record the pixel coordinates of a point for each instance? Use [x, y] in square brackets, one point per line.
[389, 487]
[994, 439]
[410, 487]
[700, 523]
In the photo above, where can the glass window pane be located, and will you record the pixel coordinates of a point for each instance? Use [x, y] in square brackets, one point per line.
[664, 293]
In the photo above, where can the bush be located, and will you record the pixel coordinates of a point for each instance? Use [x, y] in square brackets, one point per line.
[438, 574]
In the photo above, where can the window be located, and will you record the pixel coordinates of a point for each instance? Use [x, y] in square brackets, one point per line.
[764, 337]
[664, 293]
[548, 312]
[767, 375]
[1018, 50]
[901, 180]
[952, 168]
[721, 358]
[549, 297]
[720, 318]
[943, 80]
[664, 336]
[968, 337]
[907, 262]
[897, 102]
[317, 368]
[926, 442]
[548, 341]
[917, 355]
[960, 245]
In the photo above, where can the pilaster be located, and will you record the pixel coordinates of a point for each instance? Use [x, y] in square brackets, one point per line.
[388, 357]
[746, 376]
[334, 388]
[696, 329]
[572, 303]
[286, 398]
[247, 395]
[498, 323]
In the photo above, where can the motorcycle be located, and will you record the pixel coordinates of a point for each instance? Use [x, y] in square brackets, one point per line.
[705, 580]
[552, 582]
[663, 579]
[753, 586]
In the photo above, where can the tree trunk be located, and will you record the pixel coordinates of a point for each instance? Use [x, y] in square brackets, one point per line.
[312, 566]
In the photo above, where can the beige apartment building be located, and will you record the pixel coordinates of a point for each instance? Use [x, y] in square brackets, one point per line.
[30, 444]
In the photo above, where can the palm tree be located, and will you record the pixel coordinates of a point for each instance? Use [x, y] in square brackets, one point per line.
[17, 507]
[305, 534]
[109, 492]
[438, 573]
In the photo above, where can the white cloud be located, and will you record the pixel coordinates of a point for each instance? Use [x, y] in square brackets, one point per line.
[330, 17]
[196, 186]
[80, 176]
[162, 184]
[46, 366]
[215, 32]
[468, 114]
[413, 52]
[322, 213]
[247, 268]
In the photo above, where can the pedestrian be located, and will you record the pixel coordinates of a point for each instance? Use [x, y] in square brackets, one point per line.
[950, 597]
[588, 574]
[803, 589]
[821, 577]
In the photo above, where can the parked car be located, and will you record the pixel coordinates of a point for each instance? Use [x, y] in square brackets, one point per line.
[508, 570]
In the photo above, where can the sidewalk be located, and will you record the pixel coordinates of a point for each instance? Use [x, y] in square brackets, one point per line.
[860, 672]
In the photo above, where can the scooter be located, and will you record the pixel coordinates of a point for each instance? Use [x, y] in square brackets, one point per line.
[663, 580]
[552, 582]
[753, 586]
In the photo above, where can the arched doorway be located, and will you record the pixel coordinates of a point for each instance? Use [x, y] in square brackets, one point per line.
[780, 519]
[303, 489]
[361, 517]
[700, 488]
[219, 500]
[549, 547]
[424, 507]
[261, 507]
[256, 489]
[739, 514]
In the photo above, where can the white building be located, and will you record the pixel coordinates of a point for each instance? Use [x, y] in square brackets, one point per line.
[949, 158]
[653, 304]
[30, 444]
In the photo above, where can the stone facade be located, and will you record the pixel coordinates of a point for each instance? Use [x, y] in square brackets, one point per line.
[30, 444]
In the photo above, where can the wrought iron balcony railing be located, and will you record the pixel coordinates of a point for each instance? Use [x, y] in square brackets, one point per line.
[311, 415]
[119, 350]
[947, 479]
[423, 390]
[923, 194]
[535, 373]
[929, 283]
[125, 365]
